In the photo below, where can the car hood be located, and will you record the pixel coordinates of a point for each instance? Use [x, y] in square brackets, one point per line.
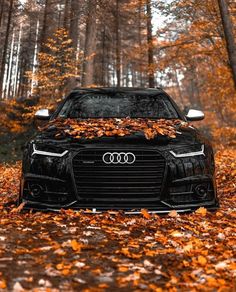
[186, 136]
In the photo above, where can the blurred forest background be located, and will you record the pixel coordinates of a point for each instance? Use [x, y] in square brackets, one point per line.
[47, 47]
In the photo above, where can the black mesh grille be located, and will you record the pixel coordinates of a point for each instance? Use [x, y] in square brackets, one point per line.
[139, 181]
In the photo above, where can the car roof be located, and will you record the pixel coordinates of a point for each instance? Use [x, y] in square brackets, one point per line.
[109, 90]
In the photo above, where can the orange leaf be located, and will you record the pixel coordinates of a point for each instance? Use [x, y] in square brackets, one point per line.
[3, 284]
[202, 260]
[18, 209]
[201, 211]
[76, 246]
[123, 269]
[65, 272]
[103, 286]
[145, 214]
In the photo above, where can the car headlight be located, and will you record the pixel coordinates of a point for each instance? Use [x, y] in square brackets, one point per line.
[54, 153]
[188, 152]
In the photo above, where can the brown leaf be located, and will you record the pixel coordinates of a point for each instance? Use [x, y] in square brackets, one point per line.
[19, 208]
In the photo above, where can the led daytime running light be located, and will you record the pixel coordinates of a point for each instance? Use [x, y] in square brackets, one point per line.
[45, 153]
[197, 153]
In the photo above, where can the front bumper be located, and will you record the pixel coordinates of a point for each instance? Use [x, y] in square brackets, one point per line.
[57, 188]
[66, 200]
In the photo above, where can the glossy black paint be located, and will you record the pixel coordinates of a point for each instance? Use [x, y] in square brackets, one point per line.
[52, 182]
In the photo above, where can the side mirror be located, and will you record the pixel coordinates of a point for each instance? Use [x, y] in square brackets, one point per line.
[195, 115]
[42, 114]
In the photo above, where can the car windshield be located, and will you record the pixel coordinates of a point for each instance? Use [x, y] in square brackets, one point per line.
[118, 106]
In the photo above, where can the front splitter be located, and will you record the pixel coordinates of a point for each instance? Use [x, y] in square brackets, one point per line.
[113, 210]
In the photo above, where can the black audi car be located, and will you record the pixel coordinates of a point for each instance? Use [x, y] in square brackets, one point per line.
[127, 172]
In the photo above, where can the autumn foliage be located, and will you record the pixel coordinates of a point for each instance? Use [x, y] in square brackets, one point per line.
[93, 128]
[57, 66]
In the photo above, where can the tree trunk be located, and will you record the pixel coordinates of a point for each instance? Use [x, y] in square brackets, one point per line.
[140, 5]
[10, 65]
[229, 36]
[90, 44]
[15, 81]
[48, 22]
[34, 65]
[103, 71]
[108, 62]
[66, 14]
[178, 87]
[118, 43]
[1, 11]
[5, 46]
[151, 78]
[74, 23]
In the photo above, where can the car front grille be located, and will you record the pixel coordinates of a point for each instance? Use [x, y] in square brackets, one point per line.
[140, 181]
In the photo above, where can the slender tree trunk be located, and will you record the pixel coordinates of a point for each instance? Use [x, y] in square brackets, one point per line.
[21, 77]
[193, 88]
[90, 44]
[44, 28]
[125, 76]
[102, 77]
[10, 65]
[151, 78]
[133, 74]
[33, 81]
[66, 14]
[47, 24]
[73, 27]
[113, 75]
[74, 23]
[118, 44]
[59, 22]
[108, 62]
[5, 46]
[178, 86]
[229, 36]
[1, 11]
[140, 42]
[15, 81]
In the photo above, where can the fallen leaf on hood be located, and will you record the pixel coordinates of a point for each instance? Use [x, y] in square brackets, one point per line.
[94, 128]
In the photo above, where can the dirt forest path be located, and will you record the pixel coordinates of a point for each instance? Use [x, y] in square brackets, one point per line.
[70, 251]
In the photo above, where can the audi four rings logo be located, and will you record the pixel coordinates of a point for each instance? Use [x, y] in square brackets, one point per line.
[119, 158]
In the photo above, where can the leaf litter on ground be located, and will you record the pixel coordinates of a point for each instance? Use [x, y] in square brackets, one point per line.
[73, 251]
